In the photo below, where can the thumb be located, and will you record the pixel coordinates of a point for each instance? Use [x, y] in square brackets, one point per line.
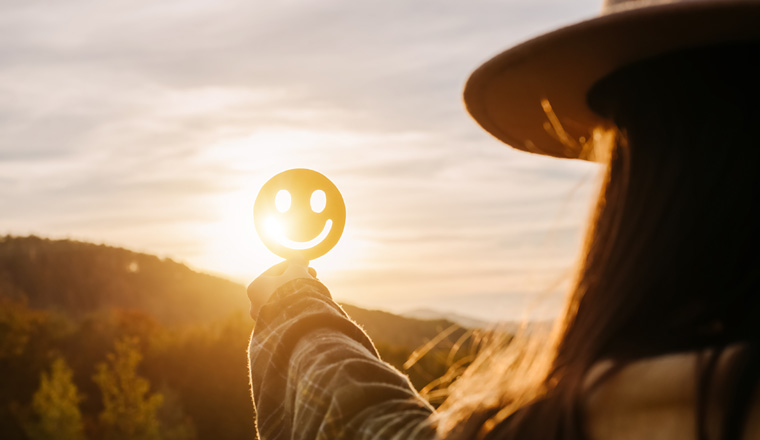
[298, 268]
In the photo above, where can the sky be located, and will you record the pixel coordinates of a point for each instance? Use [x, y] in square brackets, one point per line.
[152, 125]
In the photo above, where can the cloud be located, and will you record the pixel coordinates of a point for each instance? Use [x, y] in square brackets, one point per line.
[151, 125]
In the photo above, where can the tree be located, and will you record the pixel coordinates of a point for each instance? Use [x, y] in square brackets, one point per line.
[17, 321]
[129, 412]
[55, 406]
[175, 424]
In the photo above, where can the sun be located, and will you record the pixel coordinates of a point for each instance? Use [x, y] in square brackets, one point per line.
[232, 248]
[224, 241]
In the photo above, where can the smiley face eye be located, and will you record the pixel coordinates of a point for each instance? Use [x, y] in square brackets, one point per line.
[318, 201]
[282, 200]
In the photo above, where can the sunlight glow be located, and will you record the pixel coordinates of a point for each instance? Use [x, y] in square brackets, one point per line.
[426, 218]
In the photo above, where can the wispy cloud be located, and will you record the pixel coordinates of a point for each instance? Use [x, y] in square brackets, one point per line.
[152, 125]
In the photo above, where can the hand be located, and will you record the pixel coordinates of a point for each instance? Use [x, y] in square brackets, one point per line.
[262, 288]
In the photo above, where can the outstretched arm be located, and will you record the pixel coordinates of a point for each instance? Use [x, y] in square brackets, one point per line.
[316, 375]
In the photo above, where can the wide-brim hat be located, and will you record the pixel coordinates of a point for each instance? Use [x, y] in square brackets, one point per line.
[534, 96]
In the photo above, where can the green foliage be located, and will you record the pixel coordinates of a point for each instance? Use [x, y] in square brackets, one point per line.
[16, 323]
[175, 424]
[128, 411]
[55, 406]
[77, 299]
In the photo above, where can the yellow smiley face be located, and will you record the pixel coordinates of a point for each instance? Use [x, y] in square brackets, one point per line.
[299, 213]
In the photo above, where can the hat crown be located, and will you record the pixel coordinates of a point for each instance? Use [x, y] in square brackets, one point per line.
[610, 6]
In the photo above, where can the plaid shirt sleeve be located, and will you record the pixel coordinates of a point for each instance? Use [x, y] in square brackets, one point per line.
[316, 375]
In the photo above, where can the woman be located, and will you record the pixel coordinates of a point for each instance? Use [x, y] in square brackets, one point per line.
[660, 335]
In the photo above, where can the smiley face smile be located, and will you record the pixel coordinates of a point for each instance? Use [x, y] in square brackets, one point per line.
[278, 234]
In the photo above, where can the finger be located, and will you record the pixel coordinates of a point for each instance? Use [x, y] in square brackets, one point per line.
[298, 260]
[297, 271]
[278, 269]
[313, 272]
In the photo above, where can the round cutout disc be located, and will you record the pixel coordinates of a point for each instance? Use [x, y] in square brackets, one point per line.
[299, 213]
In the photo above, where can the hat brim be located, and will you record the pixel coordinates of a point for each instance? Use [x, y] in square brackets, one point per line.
[533, 96]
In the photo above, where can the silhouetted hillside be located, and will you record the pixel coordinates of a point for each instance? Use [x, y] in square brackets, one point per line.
[463, 320]
[387, 328]
[80, 278]
[73, 304]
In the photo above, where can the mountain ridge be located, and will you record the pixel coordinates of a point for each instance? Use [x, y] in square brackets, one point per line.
[80, 278]
[75, 300]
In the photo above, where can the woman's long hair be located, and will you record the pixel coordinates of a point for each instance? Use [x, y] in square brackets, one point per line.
[672, 258]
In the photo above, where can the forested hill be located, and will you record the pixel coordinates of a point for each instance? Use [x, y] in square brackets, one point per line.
[80, 322]
[80, 278]
[389, 329]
